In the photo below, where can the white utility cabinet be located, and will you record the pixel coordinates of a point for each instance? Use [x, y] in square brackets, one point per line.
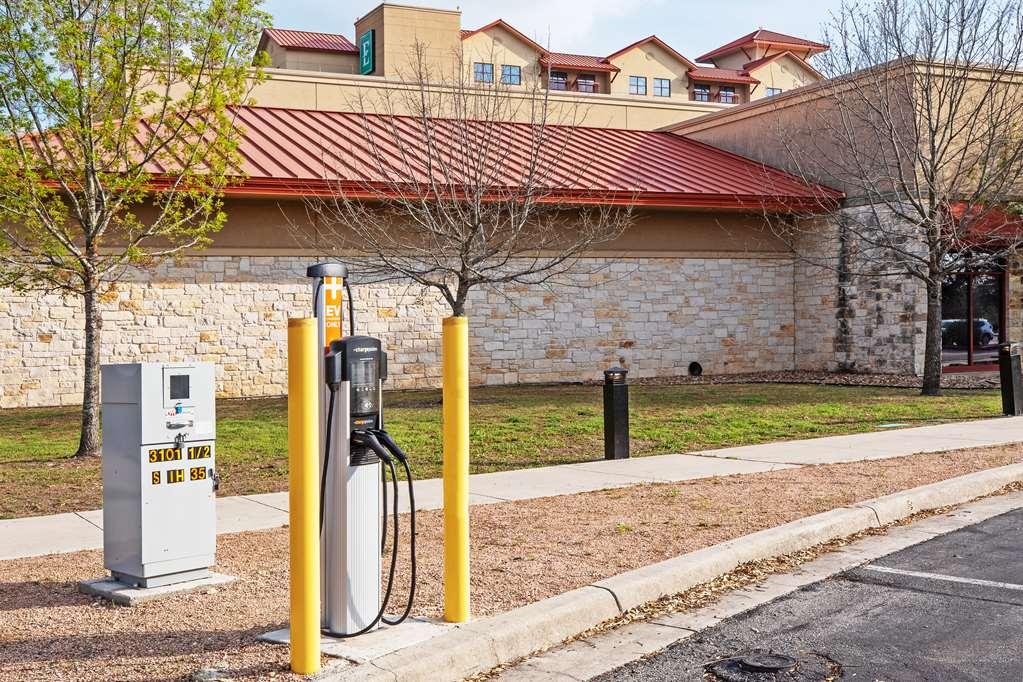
[159, 472]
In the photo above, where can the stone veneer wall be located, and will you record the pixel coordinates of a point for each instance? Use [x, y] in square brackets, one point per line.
[859, 322]
[1014, 284]
[655, 315]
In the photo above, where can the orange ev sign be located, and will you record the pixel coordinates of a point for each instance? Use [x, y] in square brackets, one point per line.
[332, 309]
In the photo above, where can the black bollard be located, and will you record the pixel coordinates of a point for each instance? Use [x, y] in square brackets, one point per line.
[1009, 368]
[616, 414]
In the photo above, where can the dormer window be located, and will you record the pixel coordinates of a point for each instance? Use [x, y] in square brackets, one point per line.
[701, 92]
[726, 94]
[558, 80]
[586, 82]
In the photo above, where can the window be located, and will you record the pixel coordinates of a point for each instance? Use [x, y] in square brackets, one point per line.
[586, 82]
[662, 87]
[726, 94]
[482, 72]
[701, 93]
[511, 75]
[558, 80]
[973, 311]
[771, 92]
[637, 85]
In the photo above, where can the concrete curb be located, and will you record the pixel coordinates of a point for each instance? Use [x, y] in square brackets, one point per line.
[481, 645]
[897, 506]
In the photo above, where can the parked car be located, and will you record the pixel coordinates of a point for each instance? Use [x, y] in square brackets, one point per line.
[953, 333]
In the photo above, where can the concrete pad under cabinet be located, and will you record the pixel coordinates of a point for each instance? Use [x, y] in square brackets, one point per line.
[126, 595]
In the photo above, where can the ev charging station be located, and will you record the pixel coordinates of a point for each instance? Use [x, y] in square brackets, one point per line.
[357, 450]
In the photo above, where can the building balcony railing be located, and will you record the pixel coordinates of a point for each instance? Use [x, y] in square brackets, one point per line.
[721, 97]
[575, 86]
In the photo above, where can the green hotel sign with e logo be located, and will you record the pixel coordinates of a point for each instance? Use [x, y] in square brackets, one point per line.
[366, 52]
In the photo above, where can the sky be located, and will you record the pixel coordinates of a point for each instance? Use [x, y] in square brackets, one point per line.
[590, 26]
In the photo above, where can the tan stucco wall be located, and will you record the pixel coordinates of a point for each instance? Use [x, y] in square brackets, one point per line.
[268, 227]
[333, 62]
[341, 92]
[792, 131]
[399, 28]
[499, 47]
[740, 58]
[651, 61]
[786, 73]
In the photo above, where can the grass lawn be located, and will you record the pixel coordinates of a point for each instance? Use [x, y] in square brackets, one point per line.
[512, 428]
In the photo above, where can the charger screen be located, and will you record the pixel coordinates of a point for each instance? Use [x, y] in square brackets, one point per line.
[365, 372]
[179, 387]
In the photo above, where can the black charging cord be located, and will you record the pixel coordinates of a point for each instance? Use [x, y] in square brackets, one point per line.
[326, 453]
[390, 575]
[412, 546]
[351, 306]
[386, 440]
[394, 549]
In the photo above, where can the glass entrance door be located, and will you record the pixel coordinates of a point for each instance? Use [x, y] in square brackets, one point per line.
[972, 319]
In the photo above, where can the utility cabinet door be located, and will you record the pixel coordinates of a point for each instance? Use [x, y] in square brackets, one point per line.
[178, 501]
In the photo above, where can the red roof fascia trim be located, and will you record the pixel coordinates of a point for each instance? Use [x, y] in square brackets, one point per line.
[583, 62]
[320, 188]
[660, 43]
[753, 39]
[695, 75]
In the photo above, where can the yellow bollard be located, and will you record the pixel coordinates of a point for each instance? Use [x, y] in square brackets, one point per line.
[456, 468]
[303, 497]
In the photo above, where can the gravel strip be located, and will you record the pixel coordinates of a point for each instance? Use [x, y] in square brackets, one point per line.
[522, 552]
[964, 380]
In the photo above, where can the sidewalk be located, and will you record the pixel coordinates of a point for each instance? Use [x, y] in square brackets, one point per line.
[71, 532]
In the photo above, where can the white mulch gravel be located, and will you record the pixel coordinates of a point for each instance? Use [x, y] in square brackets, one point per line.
[964, 380]
[522, 552]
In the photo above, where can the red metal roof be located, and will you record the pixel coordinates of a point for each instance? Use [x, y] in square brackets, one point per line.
[297, 152]
[578, 61]
[308, 40]
[709, 73]
[764, 37]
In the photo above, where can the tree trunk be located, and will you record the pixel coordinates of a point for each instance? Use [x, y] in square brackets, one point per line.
[88, 443]
[932, 345]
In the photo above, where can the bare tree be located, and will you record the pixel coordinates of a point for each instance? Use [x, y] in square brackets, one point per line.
[455, 182]
[463, 180]
[921, 125]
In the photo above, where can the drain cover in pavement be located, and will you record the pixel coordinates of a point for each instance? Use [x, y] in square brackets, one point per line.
[767, 666]
[766, 662]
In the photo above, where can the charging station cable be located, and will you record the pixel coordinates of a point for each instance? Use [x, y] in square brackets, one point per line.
[351, 306]
[399, 454]
[366, 439]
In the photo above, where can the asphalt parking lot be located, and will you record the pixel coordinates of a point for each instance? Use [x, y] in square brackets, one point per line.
[948, 609]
